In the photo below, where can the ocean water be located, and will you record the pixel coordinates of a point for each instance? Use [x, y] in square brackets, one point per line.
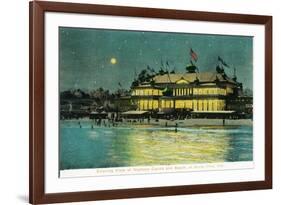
[146, 145]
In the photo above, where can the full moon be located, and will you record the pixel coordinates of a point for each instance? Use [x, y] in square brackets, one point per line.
[113, 61]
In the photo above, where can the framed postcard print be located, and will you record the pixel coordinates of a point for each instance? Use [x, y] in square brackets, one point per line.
[138, 102]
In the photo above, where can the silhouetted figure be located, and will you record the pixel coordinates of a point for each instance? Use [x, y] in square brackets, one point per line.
[176, 127]
[79, 123]
[99, 122]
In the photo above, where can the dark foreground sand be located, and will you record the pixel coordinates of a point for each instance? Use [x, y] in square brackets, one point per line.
[173, 123]
[194, 122]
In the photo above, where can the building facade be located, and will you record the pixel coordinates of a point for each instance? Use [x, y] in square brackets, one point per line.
[204, 91]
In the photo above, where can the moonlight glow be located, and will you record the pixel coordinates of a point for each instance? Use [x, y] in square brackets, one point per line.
[113, 61]
[120, 55]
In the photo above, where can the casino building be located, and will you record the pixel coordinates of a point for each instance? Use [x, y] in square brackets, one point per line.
[207, 92]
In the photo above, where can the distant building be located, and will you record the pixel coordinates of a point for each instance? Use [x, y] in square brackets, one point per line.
[193, 91]
[241, 104]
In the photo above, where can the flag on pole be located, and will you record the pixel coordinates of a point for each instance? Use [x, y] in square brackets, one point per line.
[222, 61]
[193, 55]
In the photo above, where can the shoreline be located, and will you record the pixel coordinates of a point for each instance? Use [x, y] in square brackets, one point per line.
[171, 123]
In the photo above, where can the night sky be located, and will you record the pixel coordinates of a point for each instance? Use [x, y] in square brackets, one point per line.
[93, 58]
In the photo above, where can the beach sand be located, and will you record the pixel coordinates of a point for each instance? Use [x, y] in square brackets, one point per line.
[172, 123]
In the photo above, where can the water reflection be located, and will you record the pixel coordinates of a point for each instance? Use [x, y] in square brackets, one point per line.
[146, 145]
